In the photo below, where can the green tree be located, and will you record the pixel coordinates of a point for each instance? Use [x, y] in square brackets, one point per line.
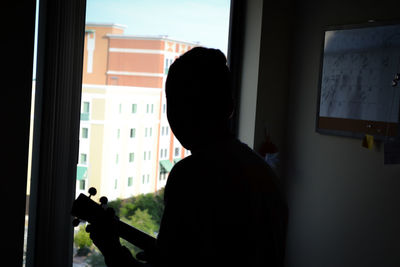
[82, 241]
[142, 220]
[152, 202]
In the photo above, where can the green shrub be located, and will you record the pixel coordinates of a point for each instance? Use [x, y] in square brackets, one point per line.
[82, 239]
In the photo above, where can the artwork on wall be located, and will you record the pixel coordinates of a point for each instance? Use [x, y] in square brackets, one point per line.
[357, 95]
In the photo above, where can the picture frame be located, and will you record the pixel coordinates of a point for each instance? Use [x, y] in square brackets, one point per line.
[358, 66]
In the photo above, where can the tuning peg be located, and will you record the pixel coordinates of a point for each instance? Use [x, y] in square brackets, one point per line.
[92, 191]
[103, 201]
[76, 222]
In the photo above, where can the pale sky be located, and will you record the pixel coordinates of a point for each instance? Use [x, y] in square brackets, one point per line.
[203, 21]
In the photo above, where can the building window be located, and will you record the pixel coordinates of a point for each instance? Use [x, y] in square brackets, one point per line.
[120, 108]
[82, 184]
[164, 108]
[144, 155]
[134, 108]
[163, 176]
[131, 157]
[85, 111]
[86, 107]
[115, 183]
[176, 154]
[133, 133]
[118, 133]
[83, 159]
[152, 108]
[117, 158]
[161, 153]
[145, 179]
[147, 108]
[148, 132]
[85, 133]
[130, 181]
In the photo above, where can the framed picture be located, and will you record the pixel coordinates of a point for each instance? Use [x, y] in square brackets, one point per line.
[357, 95]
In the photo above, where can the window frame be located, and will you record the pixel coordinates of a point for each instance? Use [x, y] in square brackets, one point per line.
[58, 107]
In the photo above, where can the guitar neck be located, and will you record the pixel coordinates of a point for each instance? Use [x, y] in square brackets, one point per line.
[136, 236]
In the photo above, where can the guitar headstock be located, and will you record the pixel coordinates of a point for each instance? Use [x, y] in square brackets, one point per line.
[86, 209]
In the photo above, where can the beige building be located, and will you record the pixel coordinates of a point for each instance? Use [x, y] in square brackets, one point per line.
[126, 146]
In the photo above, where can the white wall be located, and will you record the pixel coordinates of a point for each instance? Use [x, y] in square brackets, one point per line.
[344, 203]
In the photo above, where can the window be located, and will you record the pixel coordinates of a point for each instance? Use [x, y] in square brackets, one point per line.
[176, 153]
[86, 107]
[82, 184]
[147, 155]
[90, 106]
[131, 157]
[145, 179]
[132, 133]
[85, 133]
[134, 108]
[118, 133]
[83, 159]
[133, 105]
[85, 111]
[116, 158]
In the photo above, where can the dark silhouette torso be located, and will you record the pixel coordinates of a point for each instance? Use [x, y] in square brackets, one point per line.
[223, 208]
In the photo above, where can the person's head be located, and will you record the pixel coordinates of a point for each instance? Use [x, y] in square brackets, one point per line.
[199, 96]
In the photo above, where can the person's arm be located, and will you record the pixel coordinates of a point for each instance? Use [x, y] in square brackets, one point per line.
[106, 239]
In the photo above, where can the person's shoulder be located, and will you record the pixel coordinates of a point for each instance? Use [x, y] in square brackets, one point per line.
[180, 171]
[254, 167]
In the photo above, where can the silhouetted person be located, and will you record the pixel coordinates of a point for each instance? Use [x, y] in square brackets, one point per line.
[222, 203]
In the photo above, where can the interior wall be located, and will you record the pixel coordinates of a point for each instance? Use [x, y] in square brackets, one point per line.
[273, 76]
[344, 203]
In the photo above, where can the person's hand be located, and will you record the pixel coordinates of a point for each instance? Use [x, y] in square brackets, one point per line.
[104, 235]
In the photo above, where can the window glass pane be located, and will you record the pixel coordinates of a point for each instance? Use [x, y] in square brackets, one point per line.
[126, 62]
[85, 132]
